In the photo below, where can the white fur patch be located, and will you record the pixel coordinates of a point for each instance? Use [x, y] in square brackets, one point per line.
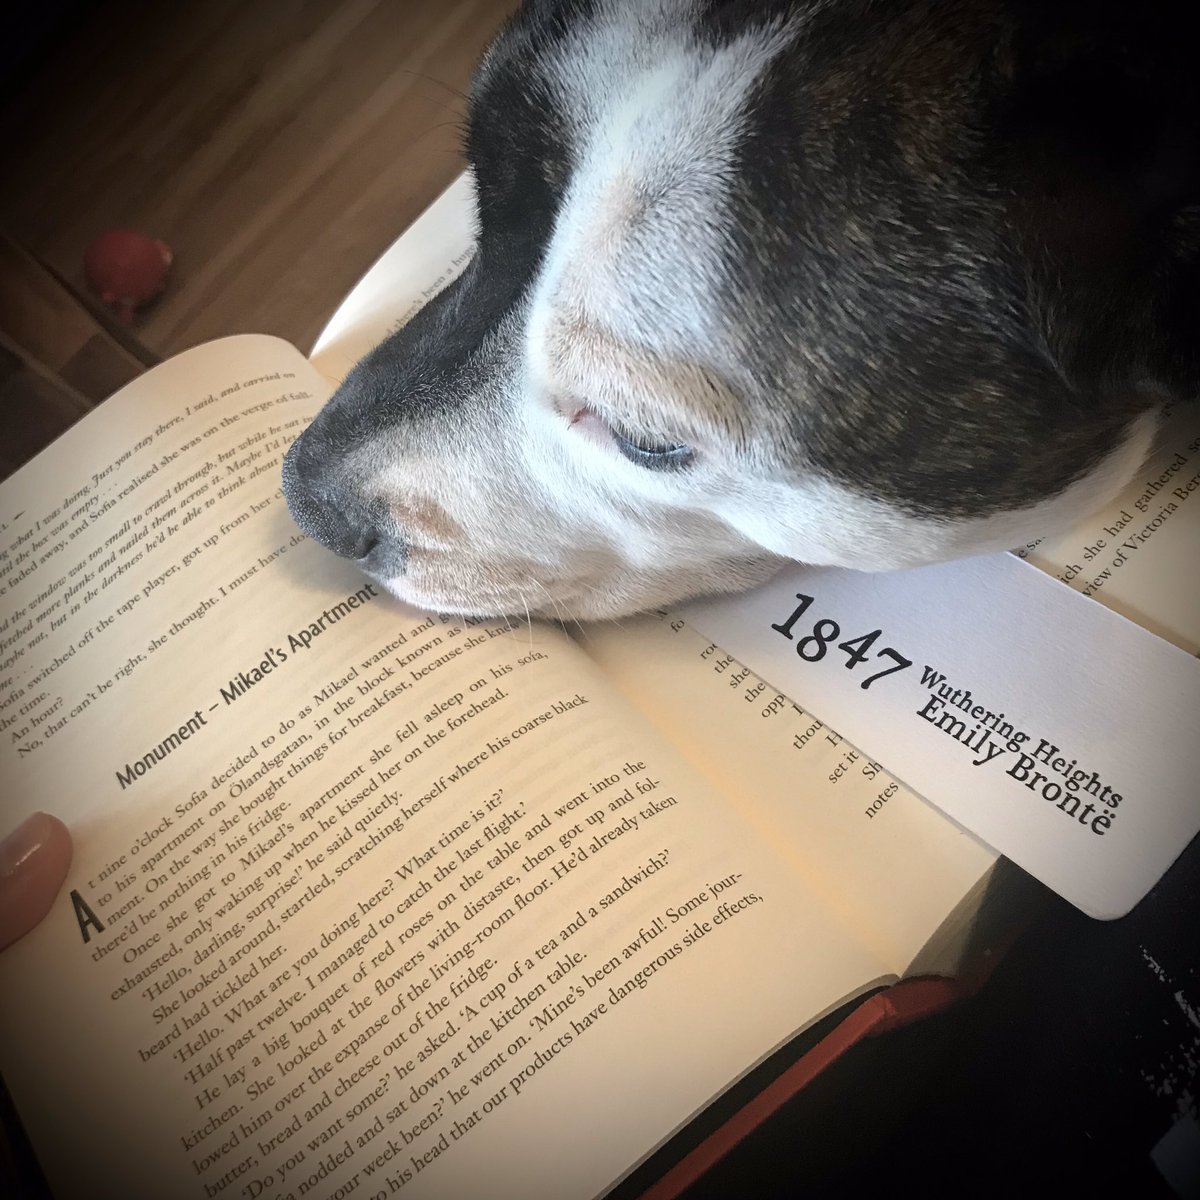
[822, 523]
[636, 253]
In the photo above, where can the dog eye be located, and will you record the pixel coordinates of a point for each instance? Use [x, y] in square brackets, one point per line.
[659, 456]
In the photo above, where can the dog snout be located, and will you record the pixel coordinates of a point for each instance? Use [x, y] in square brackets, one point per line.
[327, 510]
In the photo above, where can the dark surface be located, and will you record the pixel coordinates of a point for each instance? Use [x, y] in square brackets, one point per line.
[1060, 1077]
[29, 27]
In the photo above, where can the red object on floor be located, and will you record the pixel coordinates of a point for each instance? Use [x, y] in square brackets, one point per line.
[126, 269]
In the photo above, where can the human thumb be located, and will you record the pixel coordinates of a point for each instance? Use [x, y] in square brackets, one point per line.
[33, 864]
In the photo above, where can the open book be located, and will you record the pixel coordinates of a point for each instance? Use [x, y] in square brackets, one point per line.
[367, 900]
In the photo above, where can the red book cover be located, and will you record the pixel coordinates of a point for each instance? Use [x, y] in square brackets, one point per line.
[907, 1001]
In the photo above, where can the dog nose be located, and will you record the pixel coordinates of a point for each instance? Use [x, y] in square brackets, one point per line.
[329, 514]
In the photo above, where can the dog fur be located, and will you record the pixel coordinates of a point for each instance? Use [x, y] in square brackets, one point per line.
[839, 281]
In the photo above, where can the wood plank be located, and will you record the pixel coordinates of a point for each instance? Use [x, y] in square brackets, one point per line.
[277, 147]
[35, 407]
[50, 324]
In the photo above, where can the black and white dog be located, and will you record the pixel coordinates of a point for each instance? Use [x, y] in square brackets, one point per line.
[865, 282]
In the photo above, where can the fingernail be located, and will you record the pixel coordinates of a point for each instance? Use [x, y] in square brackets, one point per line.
[24, 842]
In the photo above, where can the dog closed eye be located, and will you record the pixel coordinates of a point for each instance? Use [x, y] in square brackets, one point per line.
[655, 455]
[658, 454]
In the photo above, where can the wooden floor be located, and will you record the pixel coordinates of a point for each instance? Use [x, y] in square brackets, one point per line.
[276, 145]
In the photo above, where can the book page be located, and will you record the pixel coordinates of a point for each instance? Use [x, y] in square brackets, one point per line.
[432, 253]
[1141, 555]
[363, 900]
[131, 507]
[894, 867]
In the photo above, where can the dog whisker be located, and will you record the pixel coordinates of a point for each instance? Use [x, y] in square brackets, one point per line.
[458, 95]
[528, 620]
[563, 620]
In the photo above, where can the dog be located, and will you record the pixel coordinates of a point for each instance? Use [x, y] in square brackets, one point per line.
[845, 282]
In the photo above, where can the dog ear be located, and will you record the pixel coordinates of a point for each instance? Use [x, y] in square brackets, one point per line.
[1104, 123]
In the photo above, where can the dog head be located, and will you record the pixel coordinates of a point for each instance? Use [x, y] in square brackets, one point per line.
[840, 282]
